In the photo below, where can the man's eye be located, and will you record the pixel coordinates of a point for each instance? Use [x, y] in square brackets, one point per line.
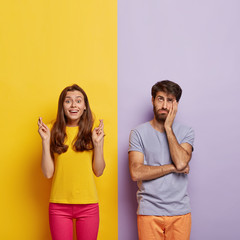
[160, 99]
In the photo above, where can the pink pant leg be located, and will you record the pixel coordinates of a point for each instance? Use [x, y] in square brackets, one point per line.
[60, 220]
[87, 221]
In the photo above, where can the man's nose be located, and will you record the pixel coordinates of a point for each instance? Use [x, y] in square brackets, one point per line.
[165, 104]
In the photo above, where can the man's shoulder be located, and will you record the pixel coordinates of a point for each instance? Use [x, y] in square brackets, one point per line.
[180, 128]
[138, 136]
[141, 127]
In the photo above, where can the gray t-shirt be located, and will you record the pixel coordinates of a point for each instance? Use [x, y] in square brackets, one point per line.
[167, 195]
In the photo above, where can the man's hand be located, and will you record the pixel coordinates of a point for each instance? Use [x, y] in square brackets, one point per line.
[171, 115]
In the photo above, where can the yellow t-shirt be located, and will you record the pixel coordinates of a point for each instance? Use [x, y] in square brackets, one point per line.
[73, 180]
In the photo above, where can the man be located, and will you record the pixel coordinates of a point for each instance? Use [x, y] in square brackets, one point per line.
[159, 154]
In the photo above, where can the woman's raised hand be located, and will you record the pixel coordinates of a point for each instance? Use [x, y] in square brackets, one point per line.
[98, 133]
[43, 130]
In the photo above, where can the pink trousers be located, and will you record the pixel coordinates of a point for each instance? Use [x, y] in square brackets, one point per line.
[61, 221]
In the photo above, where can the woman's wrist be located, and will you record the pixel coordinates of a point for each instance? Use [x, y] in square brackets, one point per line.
[98, 144]
[46, 142]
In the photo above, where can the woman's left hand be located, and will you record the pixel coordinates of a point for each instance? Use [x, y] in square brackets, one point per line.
[98, 133]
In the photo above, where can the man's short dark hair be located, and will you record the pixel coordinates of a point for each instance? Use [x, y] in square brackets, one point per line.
[168, 87]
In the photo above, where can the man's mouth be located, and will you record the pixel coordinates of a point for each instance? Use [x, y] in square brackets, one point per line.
[161, 111]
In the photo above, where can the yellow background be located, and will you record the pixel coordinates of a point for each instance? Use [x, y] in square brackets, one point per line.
[45, 46]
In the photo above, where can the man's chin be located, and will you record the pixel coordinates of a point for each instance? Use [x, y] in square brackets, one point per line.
[161, 118]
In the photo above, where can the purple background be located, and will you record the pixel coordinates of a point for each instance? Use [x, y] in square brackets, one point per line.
[197, 44]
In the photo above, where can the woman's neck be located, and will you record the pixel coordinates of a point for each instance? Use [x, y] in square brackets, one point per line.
[72, 124]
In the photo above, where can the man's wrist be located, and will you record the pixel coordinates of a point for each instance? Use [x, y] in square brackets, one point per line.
[168, 128]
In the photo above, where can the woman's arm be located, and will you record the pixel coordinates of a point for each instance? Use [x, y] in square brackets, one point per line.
[47, 161]
[98, 157]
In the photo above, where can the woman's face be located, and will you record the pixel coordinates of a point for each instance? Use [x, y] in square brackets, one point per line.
[73, 106]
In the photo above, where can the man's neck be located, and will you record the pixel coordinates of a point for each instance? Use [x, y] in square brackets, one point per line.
[159, 126]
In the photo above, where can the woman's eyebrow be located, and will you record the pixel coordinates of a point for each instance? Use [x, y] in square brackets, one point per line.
[73, 97]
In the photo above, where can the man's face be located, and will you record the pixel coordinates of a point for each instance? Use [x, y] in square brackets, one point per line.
[162, 104]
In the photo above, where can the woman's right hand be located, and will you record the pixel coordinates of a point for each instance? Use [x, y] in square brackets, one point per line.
[43, 130]
[47, 161]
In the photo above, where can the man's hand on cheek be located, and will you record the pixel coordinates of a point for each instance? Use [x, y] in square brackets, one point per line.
[171, 115]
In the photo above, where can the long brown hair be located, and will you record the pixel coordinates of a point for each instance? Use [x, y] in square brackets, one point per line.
[58, 133]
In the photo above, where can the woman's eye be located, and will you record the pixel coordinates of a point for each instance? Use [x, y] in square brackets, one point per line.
[67, 101]
[78, 101]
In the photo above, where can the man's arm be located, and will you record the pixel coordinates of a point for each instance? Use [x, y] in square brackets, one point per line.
[140, 172]
[180, 153]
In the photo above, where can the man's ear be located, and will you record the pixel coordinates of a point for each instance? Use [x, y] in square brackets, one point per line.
[152, 100]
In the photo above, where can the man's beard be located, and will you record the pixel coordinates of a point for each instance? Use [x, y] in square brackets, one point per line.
[159, 117]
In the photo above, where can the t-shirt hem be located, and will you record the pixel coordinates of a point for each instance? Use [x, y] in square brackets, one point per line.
[73, 201]
[166, 214]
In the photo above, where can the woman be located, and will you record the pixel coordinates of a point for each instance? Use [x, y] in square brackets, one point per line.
[71, 153]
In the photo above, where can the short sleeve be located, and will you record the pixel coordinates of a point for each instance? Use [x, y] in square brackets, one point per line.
[189, 137]
[135, 142]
